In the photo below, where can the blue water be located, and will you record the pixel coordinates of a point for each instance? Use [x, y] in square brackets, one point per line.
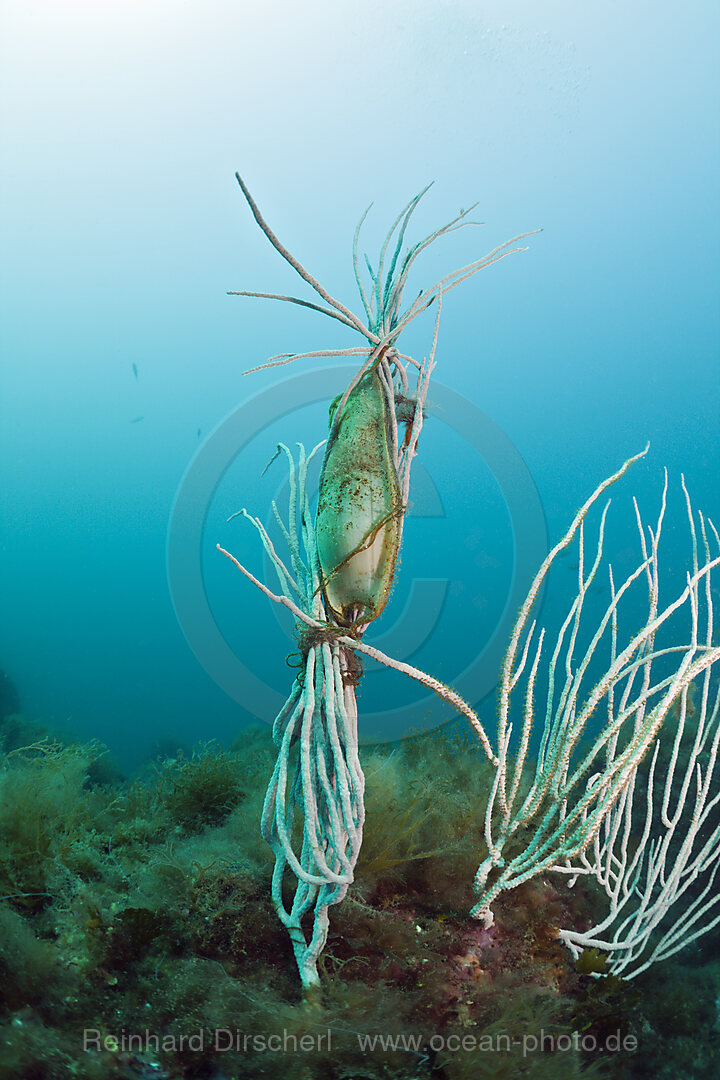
[123, 228]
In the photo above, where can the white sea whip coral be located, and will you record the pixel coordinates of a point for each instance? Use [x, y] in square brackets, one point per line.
[325, 781]
[336, 591]
[581, 789]
[657, 855]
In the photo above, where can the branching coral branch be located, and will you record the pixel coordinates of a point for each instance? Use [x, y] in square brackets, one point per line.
[581, 784]
[342, 567]
[657, 854]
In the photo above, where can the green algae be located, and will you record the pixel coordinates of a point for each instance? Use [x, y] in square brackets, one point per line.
[151, 911]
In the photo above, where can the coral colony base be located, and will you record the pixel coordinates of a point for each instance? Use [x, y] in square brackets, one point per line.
[574, 811]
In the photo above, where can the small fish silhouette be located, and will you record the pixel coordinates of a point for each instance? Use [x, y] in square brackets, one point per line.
[199, 430]
[137, 419]
[135, 371]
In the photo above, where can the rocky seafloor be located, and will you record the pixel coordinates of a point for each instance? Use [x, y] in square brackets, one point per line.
[137, 936]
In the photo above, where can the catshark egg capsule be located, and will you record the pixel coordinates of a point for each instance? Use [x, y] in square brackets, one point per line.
[359, 512]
